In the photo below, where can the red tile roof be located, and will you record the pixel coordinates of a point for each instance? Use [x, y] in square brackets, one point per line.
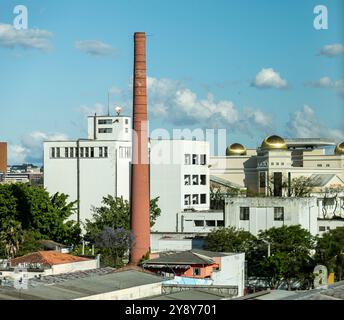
[47, 258]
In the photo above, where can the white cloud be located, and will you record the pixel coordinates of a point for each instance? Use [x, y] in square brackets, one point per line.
[269, 78]
[328, 83]
[305, 124]
[169, 100]
[332, 50]
[27, 39]
[30, 149]
[94, 47]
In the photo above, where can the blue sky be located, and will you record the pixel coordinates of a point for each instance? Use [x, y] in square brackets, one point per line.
[208, 62]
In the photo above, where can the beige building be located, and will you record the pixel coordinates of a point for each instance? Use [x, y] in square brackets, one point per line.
[270, 169]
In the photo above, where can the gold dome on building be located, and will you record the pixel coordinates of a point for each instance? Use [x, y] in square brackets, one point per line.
[339, 149]
[236, 149]
[274, 142]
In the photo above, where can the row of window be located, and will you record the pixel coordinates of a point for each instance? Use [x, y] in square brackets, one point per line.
[277, 163]
[195, 180]
[319, 165]
[82, 152]
[110, 130]
[278, 213]
[195, 199]
[109, 121]
[209, 223]
[125, 152]
[195, 159]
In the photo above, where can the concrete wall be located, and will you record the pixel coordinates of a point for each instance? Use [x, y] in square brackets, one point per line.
[73, 267]
[232, 272]
[133, 293]
[297, 211]
[329, 225]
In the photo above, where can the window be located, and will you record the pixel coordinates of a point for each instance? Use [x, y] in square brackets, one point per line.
[195, 180]
[105, 130]
[66, 153]
[262, 180]
[100, 152]
[203, 198]
[272, 163]
[53, 152]
[125, 152]
[220, 223]
[322, 228]
[92, 152]
[58, 153]
[187, 199]
[81, 152]
[187, 180]
[203, 180]
[194, 159]
[76, 152]
[282, 163]
[196, 271]
[126, 130]
[277, 163]
[203, 159]
[244, 213]
[195, 199]
[106, 152]
[199, 223]
[87, 152]
[210, 223]
[105, 121]
[327, 165]
[319, 165]
[71, 152]
[187, 159]
[126, 121]
[279, 214]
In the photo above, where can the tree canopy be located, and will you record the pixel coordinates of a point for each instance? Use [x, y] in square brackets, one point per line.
[30, 210]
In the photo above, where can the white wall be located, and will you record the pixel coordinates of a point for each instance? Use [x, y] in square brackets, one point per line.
[297, 211]
[74, 266]
[232, 272]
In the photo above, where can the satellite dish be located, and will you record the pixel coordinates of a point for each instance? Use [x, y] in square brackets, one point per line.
[118, 110]
[320, 276]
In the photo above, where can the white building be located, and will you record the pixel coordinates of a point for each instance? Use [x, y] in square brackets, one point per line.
[179, 175]
[89, 169]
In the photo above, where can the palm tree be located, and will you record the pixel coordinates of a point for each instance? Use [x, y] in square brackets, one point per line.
[11, 237]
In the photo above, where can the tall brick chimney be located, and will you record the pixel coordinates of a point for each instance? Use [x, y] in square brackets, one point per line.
[3, 157]
[140, 212]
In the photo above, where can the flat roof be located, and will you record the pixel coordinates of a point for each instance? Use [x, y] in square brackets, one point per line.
[77, 286]
[310, 142]
[192, 294]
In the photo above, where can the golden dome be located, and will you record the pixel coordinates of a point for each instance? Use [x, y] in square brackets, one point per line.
[236, 149]
[339, 149]
[274, 142]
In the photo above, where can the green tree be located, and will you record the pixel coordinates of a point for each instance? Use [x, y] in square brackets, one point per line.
[229, 240]
[11, 237]
[330, 251]
[36, 211]
[115, 213]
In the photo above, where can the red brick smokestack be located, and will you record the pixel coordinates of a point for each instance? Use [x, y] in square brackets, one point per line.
[140, 213]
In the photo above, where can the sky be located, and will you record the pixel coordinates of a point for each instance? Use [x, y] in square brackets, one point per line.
[252, 67]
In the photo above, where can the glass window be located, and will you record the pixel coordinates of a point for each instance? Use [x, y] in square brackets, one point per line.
[322, 228]
[81, 152]
[126, 121]
[220, 223]
[244, 213]
[87, 152]
[126, 130]
[196, 271]
[71, 152]
[210, 223]
[187, 199]
[203, 159]
[187, 180]
[203, 198]
[92, 152]
[105, 130]
[195, 159]
[195, 199]
[187, 159]
[53, 153]
[100, 152]
[58, 153]
[203, 180]
[105, 121]
[195, 180]
[199, 223]
[106, 152]
[279, 214]
[319, 165]
[66, 153]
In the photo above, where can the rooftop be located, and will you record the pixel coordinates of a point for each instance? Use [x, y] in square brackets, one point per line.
[310, 142]
[47, 258]
[81, 284]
